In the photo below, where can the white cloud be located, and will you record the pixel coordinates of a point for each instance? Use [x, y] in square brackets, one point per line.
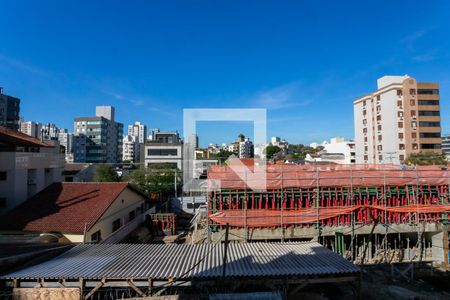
[282, 97]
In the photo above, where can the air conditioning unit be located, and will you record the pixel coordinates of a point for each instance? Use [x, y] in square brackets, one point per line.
[32, 181]
[401, 118]
[414, 117]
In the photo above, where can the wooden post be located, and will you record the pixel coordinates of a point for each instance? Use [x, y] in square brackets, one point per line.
[224, 266]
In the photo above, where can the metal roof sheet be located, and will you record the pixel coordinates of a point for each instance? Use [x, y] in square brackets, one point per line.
[160, 261]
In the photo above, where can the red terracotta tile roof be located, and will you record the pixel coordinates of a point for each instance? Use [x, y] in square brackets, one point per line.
[10, 136]
[64, 207]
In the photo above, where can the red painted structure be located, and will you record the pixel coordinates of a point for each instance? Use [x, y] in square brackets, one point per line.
[328, 195]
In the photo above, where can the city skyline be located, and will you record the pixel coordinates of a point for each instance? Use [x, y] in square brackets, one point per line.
[305, 85]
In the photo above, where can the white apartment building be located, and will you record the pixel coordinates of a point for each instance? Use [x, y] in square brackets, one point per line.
[31, 128]
[339, 145]
[401, 117]
[27, 166]
[130, 149]
[138, 130]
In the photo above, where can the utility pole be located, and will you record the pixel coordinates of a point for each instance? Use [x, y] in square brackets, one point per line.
[225, 252]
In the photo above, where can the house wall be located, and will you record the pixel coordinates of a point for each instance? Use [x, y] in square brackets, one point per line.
[127, 201]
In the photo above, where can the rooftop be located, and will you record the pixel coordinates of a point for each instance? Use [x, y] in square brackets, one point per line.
[16, 138]
[184, 261]
[63, 207]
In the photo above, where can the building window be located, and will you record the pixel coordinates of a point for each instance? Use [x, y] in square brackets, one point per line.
[412, 102]
[115, 225]
[366, 157]
[378, 97]
[428, 92]
[364, 112]
[3, 175]
[430, 135]
[412, 91]
[400, 135]
[380, 147]
[428, 102]
[415, 146]
[365, 121]
[399, 103]
[131, 215]
[96, 236]
[429, 124]
[364, 102]
[400, 114]
[402, 157]
[429, 113]
[366, 148]
[379, 118]
[365, 139]
[414, 135]
[379, 127]
[401, 146]
[400, 124]
[2, 202]
[413, 113]
[430, 146]
[380, 157]
[399, 92]
[364, 130]
[162, 152]
[379, 137]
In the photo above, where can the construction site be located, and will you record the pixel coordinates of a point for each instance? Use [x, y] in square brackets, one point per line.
[366, 213]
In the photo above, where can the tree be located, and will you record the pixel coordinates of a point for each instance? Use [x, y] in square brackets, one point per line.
[426, 159]
[159, 178]
[222, 156]
[271, 150]
[106, 173]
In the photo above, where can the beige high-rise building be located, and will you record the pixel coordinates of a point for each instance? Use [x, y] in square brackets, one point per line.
[401, 117]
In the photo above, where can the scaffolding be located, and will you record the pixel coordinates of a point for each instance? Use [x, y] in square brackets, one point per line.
[328, 196]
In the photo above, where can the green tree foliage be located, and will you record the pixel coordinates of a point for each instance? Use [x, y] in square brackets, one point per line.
[159, 178]
[106, 173]
[426, 159]
[299, 152]
[271, 150]
[222, 156]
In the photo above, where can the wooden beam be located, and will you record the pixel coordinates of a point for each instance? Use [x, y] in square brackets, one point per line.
[92, 292]
[138, 290]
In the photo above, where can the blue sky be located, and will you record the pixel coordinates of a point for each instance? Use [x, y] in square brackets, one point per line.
[305, 61]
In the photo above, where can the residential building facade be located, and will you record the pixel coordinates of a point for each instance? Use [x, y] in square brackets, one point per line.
[102, 137]
[27, 166]
[31, 128]
[131, 149]
[446, 145]
[9, 111]
[401, 117]
[138, 130]
[164, 148]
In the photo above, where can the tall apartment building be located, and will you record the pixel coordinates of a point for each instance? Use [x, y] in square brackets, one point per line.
[446, 145]
[31, 128]
[138, 130]
[9, 111]
[166, 147]
[101, 137]
[401, 117]
[130, 149]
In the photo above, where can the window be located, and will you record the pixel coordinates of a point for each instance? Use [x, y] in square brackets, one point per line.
[401, 146]
[131, 215]
[365, 139]
[400, 114]
[378, 108]
[364, 112]
[412, 91]
[400, 135]
[429, 113]
[366, 157]
[400, 124]
[413, 113]
[379, 127]
[366, 148]
[414, 135]
[115, 225]
[399, 92]
[3, 175]
[379, 118]
[428, 92]
[364, 102]
[414, 124]
[379, 137]
[380, 147]
[96, 236]
[2, 202]
[378, 97]
[429, 124]
[380, 157]
[430, 146]
[412, 102]
[162, 152]
[428, 102]
[364, 121]
[415, 146]
[402, 157]
[399, 103]
[364, 130]
[430, 135]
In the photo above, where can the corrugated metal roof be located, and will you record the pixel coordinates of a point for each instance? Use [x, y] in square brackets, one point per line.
[159, 261]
